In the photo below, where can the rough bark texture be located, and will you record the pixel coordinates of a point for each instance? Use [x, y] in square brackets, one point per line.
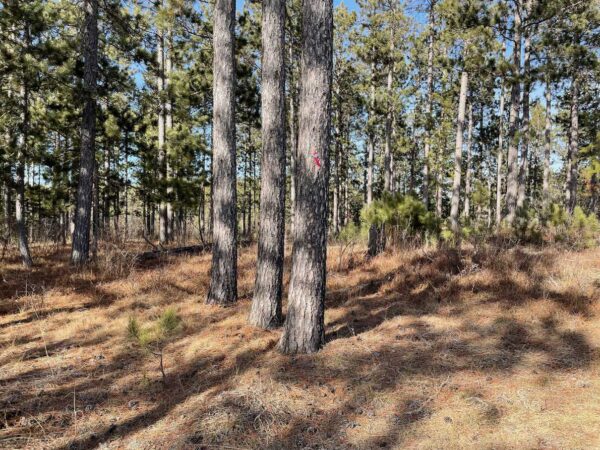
[20, 181]
[460, 124]
[467, 204]
[499, 158]
[513, 125]
[571, 193]
[81, 234]
[305, 327]
[163, 218]
[168, 127]
[524, 164]
[429, 107]
[547, 148]
[266, 304]
[223, 283]
[387, 156]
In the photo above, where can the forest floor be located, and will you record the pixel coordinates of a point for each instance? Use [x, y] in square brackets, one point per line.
[425, 349]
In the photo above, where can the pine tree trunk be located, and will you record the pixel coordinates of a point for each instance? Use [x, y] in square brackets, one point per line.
[387, 158]
[460, 123]
[81, 234]
[304, 330]
[513, 124]
[429, 107]
[337, 161]
[163, 218]
[499, 158]
[293, 143]
[20, 212]
[524, 164]
[547, 147]
[467, 203]
[266, 304]
[572, 155]
[168, 127]
[223, 283]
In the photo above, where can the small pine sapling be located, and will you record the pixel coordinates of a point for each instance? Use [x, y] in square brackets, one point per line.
[155, 337]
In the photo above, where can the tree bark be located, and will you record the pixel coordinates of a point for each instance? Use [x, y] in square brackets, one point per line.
[547, 147]
[223, 283]
[467, 204]
[429, 118]
[387, 156]
[266, 304]
[20, 212]
[81, 234]
[168, 126]
[163, 230]
[499, 158]
[455, 202]
[513, 123]
[571, 192]
[524, 164]
[304, 330]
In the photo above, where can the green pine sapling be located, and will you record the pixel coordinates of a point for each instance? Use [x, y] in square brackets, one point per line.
[154, 337]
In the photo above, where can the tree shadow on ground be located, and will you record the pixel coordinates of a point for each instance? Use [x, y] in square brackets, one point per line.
[353, 369]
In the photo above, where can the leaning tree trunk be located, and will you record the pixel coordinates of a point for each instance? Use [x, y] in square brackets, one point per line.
[305, 325]
[513, 126]
[266, 304]
[81, 234]
[460, 124]
[223, 282]
[571, 193]
[547, 147]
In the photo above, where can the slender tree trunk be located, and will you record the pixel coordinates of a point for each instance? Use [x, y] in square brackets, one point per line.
[168, 127]
[499, 158]
[524, 164]
[387, 158]
[223, 283]
[513, 124]
[163, 227]
[547, 147]
[572, 155]
[266, 304]
[337, 159]
[20, 213]
[81, 234]
[455, 202]
[467, 204]
[304, 330]
[428, 125]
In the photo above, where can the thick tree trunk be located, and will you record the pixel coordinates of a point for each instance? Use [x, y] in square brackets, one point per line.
[572, 155]
[467, 204]
[223, 283]
[304, 330]
[460, 123]
[293, 142]
[513, 125]
[81, 234]
[547, 147]
[499, 158]
[266, 304]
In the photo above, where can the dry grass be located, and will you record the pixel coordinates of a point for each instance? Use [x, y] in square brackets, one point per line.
[426, 349]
